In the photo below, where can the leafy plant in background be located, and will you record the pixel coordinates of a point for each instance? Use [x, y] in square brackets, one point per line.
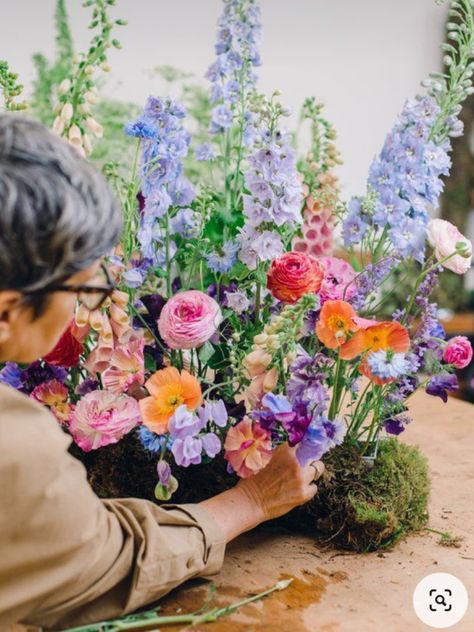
[10, 88]
[234, 327]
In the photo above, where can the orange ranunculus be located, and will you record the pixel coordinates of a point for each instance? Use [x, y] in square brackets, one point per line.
[168, 390]
[335, 323]
[385, 335]
[293, 275]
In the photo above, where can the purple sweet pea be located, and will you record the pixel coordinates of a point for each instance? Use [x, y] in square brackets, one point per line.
[214, 411]
[440, 385]
[396, 425]
[184, 423]
[164, 472]
[211, 444]
[187, 451]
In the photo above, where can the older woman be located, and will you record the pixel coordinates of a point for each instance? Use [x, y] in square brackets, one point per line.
[67, 557]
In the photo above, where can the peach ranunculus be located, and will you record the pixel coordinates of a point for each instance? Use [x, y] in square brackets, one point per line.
[248, 447]
[293, 275]
[336, 322]
[189, 319]
[446, 239]
[169, 389]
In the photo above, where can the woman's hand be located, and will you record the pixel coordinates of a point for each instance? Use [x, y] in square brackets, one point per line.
[281, 486]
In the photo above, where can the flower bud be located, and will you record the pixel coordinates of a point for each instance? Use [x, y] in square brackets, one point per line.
[58, 125]
[89, 70]
[105, 66]
[74, 135]
[64, 86]
[94, 127]
[67, 112]
[90, 97]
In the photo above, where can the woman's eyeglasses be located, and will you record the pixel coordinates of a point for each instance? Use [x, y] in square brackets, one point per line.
[92, 296]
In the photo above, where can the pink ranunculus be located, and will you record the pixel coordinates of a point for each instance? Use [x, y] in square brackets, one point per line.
[338, 279]
[189, 319]
[458, 352]
[101, 418]
[446, 239]
[248, 447]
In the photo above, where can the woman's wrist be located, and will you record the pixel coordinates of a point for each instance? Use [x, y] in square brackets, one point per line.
[235, 510]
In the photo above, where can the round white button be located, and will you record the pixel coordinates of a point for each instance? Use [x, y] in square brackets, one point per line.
[440, 600]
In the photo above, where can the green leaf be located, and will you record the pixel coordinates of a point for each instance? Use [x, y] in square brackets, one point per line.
[206, 352]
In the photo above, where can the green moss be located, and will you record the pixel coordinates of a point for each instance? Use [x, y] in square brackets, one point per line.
[365, 507]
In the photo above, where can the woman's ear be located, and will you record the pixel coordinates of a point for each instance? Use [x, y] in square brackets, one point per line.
[9, 300]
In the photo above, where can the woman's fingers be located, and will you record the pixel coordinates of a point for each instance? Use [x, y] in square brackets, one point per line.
[313, 471]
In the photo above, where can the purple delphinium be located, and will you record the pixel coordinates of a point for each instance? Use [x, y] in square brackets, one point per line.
[231, 74]
[186, 223]
[406, 180]
[273, 200]
[441, 384]
[204, 152]
[223, 260]
[165, 144]
[306, 382]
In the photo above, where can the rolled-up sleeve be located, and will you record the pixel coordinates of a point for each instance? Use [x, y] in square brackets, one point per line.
[68, 558]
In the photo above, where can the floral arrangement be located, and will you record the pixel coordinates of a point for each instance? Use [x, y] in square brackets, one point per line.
[236, 325]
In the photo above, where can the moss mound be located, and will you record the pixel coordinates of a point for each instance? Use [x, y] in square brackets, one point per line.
[364, 506]
[359, 506]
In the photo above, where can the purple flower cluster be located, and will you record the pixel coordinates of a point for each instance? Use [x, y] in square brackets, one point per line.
[274, 199]
[163, 184]
[231, 74]
[406, 178]
[189, 436]
[309, 398]
[26, 380]
[369, 279]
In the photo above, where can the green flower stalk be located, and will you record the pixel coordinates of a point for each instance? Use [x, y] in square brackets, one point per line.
[78, 92]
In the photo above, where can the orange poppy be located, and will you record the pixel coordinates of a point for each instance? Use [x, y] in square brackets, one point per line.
[335, 323]
[169, 389]
[385, 335]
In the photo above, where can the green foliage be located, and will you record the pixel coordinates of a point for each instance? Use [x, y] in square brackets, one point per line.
[10, 88]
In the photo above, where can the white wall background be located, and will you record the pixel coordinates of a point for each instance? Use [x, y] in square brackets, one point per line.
[361, 57]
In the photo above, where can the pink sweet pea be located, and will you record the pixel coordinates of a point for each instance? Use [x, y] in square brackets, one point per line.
[189, 319]
[446, 239]
[458, 352]
[248, 447]
[101, 418]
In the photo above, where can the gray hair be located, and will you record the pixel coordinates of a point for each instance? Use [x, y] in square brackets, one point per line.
[57, 213]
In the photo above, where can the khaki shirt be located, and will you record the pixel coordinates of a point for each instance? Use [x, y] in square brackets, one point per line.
[68, 558]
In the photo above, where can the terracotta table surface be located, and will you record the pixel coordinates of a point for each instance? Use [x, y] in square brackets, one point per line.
[346, 592]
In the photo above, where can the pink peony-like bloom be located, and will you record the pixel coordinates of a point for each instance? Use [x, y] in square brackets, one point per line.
[248, 447]
[338, 280]
[101, 418]
[189, 319]
[458, 352]
[446, 239]
[127, 367]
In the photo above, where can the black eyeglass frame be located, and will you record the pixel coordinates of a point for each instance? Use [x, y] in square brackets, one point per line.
[106, 290]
